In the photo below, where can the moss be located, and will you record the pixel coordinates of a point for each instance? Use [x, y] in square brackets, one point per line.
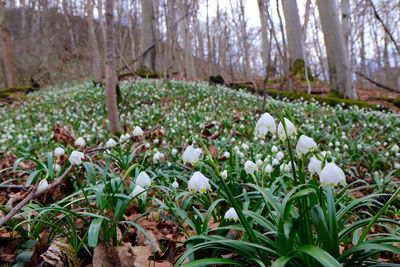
[298, 70]
[142, 72]
[335, 94]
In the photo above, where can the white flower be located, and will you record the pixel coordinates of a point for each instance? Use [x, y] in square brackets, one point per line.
[111, 143]
[76, 157]
[137, 131]
[268, 168]
[275, 162]
[80, 142]
[305, 145]
[332, 175]
[245, 146]
[279, 156]
[224, 174]
[42, 185]
[226, 154]
[199, 151]
[345, 147]
[395, 148]
[125, 137]
[359, 147]
[143, 179]
[175, 184]
[314, 166]
[198, 183]
[290, 129]
[138, 192]
[58, 151]
[57, 168]
[174, 152]
[190, 155]
[231, 215]
[265, 124]
[250, 167]
[397, 165]
[259, 162]
[274, 149]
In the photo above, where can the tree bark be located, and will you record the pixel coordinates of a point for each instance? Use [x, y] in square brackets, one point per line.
[189, 69]
[96, 62]
[6, 50]
[147, 36]
[293, 31]
[111, 75]
[340, 73]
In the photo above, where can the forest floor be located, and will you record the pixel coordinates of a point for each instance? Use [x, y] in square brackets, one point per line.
[223, 118]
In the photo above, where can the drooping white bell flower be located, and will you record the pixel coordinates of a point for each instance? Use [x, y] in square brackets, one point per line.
[80, 142]
[274, 149]
[76, 158]
[57, 168]
[395, 148]
[290, 129]
[58, 151]
[174, 151]
[331, 175]
[138, 192]
[111, 143]
[305, 145]
[259, 162]
[279, 156]
[275, 162]
[231, 215]
[314, 166]
[137, 131]
[245, 146]
[199, 183]
[265, 124]
[190, 156]
[226, 154]
[268, 169]
[143, 179]
[42, 185]
[175, 184]
[397, 165]
[359, 147]
[250, 167]
[125, 137]
[224, 174]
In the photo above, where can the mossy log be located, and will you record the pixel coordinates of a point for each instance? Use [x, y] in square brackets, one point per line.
[14, 91]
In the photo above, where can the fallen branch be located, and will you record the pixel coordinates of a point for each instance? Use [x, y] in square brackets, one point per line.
[33, 194]
[13, 186]
[376, 83]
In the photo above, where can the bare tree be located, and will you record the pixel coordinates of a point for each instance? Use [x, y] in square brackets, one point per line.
[6, 51]
[111, 75]
[340, 74]
[147, 36]
[293, 31]
[96, 62]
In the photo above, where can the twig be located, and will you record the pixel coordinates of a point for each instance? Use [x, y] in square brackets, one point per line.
[13, 186]
[384, 26]
[376, 83]
[33, 194]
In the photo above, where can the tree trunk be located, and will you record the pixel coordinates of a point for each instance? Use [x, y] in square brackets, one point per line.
[262, 7]
[345, 9]
[293, 31]
[147, 36]
[111, 75]
[96, 63]
[6, 51]
[340, 74]
[189, 69]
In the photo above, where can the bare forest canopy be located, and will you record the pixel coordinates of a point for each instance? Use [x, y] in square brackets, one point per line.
[56, 41]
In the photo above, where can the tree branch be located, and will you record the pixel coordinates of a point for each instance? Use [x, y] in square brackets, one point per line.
[33, 194]
[376, 83]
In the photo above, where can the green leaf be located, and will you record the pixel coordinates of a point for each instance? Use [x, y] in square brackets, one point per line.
[29, 244]
[318, 219]
[211, 261]
[25, 256]
[320, 255]
[94, 229]
[32, 177]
